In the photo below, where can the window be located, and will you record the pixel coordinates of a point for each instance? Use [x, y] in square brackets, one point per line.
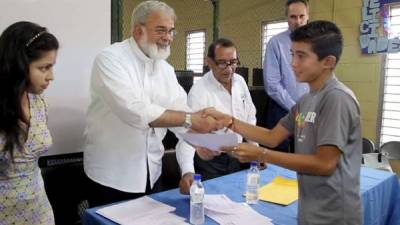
[390, 117]
[195, 46]
[268, 31]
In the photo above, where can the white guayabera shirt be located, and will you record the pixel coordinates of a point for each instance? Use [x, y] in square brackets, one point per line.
[128, 91]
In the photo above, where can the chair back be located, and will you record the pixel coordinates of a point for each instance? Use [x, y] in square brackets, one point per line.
[185, 78]
[368, 146]
[244, 72]
[258, 79]
[171, 172]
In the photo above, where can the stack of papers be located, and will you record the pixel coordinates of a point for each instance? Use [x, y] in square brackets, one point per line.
[281, 190]
[141, 211]
[227, 212]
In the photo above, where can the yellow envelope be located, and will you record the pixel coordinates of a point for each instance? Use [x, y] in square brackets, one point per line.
[281, 190]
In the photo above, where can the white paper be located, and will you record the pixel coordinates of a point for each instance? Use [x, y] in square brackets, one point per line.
[221, 204]
[141, 211]
[159, 219]
[245, 215]
[211, 141]
[227, 212]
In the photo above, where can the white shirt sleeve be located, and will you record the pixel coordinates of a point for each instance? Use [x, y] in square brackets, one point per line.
[184, 151]
[251, 113]
[115, 88]
[184, 156]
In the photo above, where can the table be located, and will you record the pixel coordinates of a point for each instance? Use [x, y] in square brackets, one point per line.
[380, 196]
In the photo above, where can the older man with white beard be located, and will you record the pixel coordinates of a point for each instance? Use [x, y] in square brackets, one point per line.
[135, 98]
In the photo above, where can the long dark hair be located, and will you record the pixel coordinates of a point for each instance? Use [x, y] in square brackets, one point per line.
[20, 45]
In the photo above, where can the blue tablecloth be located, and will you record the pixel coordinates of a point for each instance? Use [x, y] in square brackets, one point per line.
[380, 195]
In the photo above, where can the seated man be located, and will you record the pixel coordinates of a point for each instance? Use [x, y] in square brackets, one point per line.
[227, 91]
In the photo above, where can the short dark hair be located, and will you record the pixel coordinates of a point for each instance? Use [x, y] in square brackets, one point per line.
[324, 36]
[289, 2]
[222, 42]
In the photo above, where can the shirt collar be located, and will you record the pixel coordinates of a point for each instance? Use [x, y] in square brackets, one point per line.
[215, 82]
[328, 83]
[331, 81]
[138, 52]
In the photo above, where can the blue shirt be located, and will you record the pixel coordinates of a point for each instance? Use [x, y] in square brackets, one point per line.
[279, 79]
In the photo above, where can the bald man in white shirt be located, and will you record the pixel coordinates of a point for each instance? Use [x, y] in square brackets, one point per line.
[135, 98]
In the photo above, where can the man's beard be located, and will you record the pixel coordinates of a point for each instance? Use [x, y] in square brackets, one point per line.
[152, 50]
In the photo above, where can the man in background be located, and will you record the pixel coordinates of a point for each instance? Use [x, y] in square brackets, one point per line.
[279, 79]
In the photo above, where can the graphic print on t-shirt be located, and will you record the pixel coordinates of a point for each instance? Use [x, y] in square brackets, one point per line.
[301, 123]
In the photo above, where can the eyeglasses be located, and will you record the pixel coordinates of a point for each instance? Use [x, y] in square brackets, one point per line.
[163, 32]
[222, 64]
[160, 31]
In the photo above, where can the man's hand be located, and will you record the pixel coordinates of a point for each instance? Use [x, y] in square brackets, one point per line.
[185, 182]
[203, 124]
[223, 119]
[209, 119]
[206, 154]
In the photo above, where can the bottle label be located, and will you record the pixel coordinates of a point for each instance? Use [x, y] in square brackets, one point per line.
[196, 194]
[253, 179]
[196, 198]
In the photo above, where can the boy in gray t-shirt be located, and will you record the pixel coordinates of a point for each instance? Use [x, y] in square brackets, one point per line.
[327, 131]
[329, 116]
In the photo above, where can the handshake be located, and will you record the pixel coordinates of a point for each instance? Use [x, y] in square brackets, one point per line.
[209, 119]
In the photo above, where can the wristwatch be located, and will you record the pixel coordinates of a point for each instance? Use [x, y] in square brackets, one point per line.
[188, 121]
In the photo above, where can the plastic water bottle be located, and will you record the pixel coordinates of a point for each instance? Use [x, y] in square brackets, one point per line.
[253, 183]
[196, 201]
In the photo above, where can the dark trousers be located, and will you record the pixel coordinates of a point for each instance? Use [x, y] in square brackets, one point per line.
[275, 113]
[101, 195]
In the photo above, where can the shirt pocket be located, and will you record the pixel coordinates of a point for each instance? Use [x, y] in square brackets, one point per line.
[242, 107]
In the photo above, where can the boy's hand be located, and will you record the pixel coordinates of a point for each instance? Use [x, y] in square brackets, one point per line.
[245, 152]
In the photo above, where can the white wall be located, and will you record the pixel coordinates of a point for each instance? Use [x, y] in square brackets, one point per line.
[83, 28]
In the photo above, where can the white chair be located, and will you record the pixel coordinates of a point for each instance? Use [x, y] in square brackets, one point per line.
[392, 151]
